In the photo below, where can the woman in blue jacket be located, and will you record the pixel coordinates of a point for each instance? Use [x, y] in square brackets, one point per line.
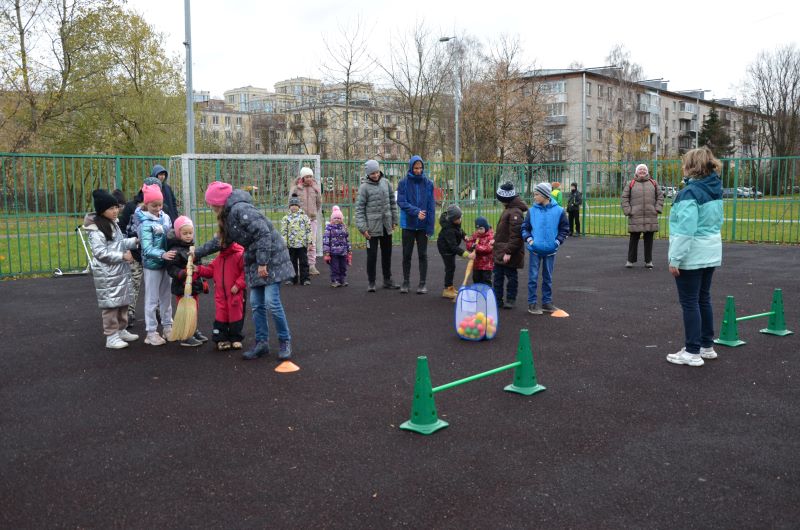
[695, 250]
[417, 217]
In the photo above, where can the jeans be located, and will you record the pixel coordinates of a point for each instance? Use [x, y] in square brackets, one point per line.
[633, 246]
[261, 297]
[385, 244]
[694, 293]
[421, 239]
[546, 263]
[502, 273]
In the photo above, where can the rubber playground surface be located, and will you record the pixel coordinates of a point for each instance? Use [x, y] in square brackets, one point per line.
[171, 437]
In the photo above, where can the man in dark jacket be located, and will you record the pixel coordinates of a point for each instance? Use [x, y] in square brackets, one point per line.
[170, 204]
[509, 248]
[417, 217]
[574, 202]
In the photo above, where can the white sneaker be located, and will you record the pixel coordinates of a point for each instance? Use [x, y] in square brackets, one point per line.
[684, 357]
[113, 342]
[628, 264]
[154, 339]
[166, 332]
[127, 336]
[708, 353]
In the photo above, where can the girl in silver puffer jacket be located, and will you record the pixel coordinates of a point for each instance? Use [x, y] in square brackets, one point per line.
[111, 256]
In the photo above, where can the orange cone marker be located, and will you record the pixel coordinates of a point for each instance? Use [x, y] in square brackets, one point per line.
[286, 367]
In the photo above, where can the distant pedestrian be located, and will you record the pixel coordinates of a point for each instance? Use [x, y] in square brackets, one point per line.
[557, 196]
[376, 219]
[574, 202]
[417, 219]
[695, 250]
[642, 202]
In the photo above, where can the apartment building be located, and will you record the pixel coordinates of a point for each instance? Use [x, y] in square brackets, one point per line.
[221, 125]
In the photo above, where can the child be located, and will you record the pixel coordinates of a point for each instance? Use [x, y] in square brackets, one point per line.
[227, 270]
[449, 245]
[110, 268]
[544, 230]
[296, 231]
[481, 243]
[179, 240]
[154, 225]
[509, 249]
[266, 261]
[336, 248]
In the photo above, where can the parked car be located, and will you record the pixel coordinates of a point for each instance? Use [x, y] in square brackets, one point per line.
[728, 193]
[742, 192]
[754, 193]
[669, 191]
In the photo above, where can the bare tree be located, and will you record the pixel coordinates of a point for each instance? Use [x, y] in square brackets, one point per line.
[418, 70]
[773, 88]
[348, 69]
[624, 103]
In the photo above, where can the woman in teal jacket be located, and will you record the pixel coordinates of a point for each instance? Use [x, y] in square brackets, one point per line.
[695, 250]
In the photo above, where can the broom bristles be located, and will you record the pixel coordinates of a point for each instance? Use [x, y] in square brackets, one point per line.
[184, 323]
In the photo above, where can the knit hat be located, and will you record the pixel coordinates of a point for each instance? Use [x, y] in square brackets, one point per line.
[371, 166]
[306, 172]
[151, 192]
[294, 200]
[453, 212]
[481, 222]
[217, 193]
[182, 221]
[555, 185]
[336, 213]
[103, 201]
[153, 180]
[506, 192]
[543, 188]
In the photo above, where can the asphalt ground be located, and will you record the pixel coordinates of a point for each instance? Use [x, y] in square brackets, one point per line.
[172, 437]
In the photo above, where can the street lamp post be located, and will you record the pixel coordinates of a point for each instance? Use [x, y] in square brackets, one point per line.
[457, 153]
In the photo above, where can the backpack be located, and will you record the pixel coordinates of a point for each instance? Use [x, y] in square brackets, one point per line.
[653, 182]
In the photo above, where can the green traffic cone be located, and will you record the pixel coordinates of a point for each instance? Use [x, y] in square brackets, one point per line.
[525, 374]
[729, 334]
[423, 410]
[777, 324]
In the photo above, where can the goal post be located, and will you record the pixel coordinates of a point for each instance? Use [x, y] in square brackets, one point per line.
[268, 178]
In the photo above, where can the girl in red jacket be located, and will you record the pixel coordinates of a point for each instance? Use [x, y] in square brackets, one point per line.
[482, 243]
[227, 270]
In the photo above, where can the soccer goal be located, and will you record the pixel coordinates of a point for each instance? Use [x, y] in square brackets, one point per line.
[268, 178]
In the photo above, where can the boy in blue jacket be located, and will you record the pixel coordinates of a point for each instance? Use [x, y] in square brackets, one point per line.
[544, 230]
[417, 217]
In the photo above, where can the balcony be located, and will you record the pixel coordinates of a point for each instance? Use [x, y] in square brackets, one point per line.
[297, 126]
[320, 123]
[389, 126]
[555, 120]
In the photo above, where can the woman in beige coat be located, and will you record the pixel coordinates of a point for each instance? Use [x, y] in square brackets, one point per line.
[310, 194]
[642, 201]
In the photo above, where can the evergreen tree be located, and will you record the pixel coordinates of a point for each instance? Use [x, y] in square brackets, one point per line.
[715, 136]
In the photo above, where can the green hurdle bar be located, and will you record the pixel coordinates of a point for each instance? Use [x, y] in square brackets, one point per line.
[424, 419]
[729, 334]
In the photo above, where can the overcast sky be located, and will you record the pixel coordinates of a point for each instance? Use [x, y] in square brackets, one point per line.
[693, 45]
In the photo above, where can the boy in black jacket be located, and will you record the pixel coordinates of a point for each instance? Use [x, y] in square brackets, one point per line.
[449, 244]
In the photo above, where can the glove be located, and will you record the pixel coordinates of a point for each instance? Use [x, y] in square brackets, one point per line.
[465, 255]
[350, 258]
[529, 244]
[327, 258]
[205, 286]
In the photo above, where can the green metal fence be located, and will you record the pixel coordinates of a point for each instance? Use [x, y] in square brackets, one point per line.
[44, 197]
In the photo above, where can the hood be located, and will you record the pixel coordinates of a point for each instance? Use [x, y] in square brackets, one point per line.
[237, 196]
[444, 221]
[489, 234]
[89, 221]
[159, 169]
[231, 249]
[516, 202]
[550, 204]
[415, 158]
[710, 185]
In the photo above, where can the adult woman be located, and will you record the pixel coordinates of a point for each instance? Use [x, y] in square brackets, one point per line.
[266, 261]
[310, 194]
[642, 201]
[376, 218]
[695, 250]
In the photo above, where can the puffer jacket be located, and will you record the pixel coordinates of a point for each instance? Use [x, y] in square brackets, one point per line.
[262, 242]
[415, 193]
[176, 267]
[547, 225]
[508, 235]
[376, 209]
[111, 273]
[450, 237]
[153, 236]
[336, 240]
[642, 201]
[227, 270]
[483, 245]
[296, 230]
[695, 222]
[310, 197]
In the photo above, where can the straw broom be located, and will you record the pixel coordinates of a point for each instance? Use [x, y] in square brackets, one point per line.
[184, 324]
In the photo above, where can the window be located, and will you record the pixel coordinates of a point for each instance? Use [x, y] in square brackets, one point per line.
[228, 135]
[375, 134]
[599, 135]
[589, 134]
[232, 99]
[202, 120]
[588, 155]
[387, 119]
[239, 121]
[215, 120]
[239, 137]
[599, 91]
[588, 88]
[588, 111]
[556, 109]
[297, 118]
[228, 121]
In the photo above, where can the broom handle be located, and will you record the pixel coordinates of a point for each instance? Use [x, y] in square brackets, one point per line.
[468, 271]
[187, 287]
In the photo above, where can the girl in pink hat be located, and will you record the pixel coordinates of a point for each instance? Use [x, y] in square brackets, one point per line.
[336, 248]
